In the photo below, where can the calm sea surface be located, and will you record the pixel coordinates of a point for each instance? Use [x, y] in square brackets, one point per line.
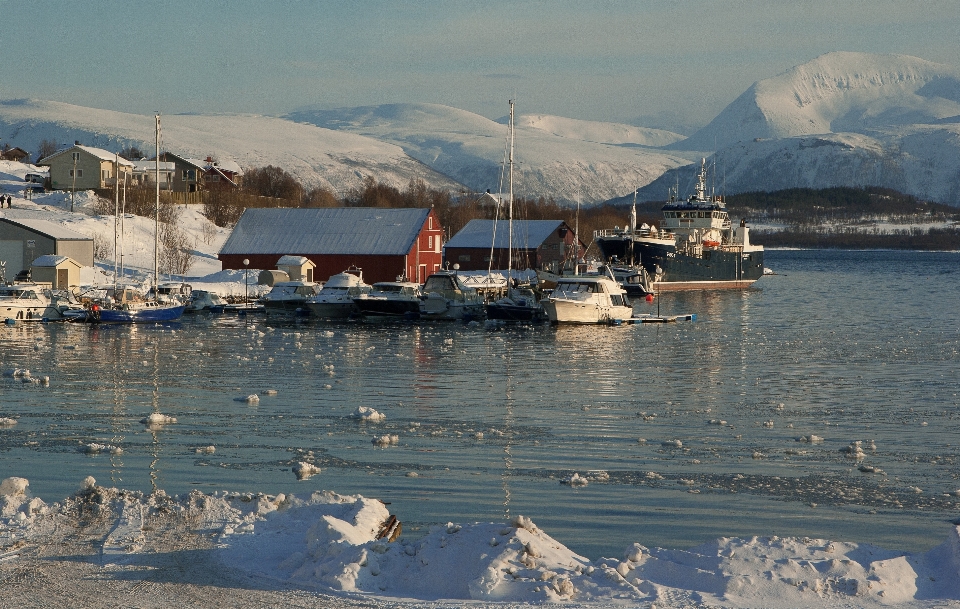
[845, 346]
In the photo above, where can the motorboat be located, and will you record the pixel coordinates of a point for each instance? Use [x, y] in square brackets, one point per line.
[587, 299]
[205, 301]
[30, 302]
[125, 305]
[290, 297]
[519, 304]
[445, 296]
[390, 299]
[172, 291]
[336, 298]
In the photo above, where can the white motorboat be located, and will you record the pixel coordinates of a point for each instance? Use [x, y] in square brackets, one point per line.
[205, 301]
[290, 296]
[390, 299]
[336, 298]
[445, 296]
[587, 299]
[30, 302]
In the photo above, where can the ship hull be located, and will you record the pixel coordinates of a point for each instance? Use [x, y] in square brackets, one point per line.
[729, 268]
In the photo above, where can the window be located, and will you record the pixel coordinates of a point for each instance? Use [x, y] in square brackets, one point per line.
[464, 257]
[430, 242]
[437, 245]
[430, 223]
[79, 173]
[76, 156]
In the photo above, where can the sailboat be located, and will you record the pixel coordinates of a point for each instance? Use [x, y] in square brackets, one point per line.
[520, 302]
[123, 305]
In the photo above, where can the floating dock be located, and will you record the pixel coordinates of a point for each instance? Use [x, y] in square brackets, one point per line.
[660, 319]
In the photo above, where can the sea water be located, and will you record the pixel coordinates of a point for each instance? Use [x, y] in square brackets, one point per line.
[685, 432]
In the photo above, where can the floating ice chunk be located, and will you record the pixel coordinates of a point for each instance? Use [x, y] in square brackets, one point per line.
[717, 422]
[478, 435]
[412, 475]
[88, 484]
[854, 450]
[653, 476]
[768, 424]
[574, 480]
[93, 449]
[365, 413]
[811, 439]
[869, 469]
[158, 419]
[386, 440]
[672, 444]
[641, 440]
[253, 398]
[17, 373]
[303, 470]
[269, 392]
[598, 475]
[206, 450]
[4, 422]
[14, 487]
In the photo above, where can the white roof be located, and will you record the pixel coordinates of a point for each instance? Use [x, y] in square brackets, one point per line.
[145, 166]
[100, 153]
[48, 228]
[52, 260]
[293, 261]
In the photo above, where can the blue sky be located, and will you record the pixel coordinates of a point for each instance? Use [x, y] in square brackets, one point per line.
[599, 60]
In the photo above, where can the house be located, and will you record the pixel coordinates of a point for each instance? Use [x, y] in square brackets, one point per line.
[84, 168]
[145, 174]
[384, 243]
[24, 240]
[537, 244]
[61, 272]
[14, 154]
[187, 173]
[221, 174]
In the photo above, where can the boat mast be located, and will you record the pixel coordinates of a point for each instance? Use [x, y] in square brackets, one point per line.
[510, 222]
[116, 218]
[156, 230]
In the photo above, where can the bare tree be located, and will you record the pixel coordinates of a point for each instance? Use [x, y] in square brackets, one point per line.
[46, 148]
[176, 256]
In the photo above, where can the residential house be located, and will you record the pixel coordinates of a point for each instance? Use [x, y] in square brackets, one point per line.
[384, 243]
[14, 154]
[84, 168]
[221, 174]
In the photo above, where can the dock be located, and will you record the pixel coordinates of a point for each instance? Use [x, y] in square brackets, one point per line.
[660, 319]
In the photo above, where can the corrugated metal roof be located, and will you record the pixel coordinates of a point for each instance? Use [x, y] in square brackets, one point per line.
[526, 233]
[48, 228]
[333, 230]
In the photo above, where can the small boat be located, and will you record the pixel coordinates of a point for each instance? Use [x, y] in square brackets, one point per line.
[290, 297]
[30, 302]
[205, 301]
[635, 280]
[520, 302]
[124, 305]
[445, 296]
[172, 291]
[390, 299]
[587, 299]
[335, 299]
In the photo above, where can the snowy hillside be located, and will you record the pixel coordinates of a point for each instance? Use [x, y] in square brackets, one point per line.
[554, 156]
[316, 156]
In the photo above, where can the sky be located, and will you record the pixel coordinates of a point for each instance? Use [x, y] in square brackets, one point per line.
[681, 61]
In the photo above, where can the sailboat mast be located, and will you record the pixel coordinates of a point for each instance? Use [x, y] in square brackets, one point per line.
[156, 229]
[116, 218]
[510, 222]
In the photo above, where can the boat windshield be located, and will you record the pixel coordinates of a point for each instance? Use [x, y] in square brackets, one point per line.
[571, 287]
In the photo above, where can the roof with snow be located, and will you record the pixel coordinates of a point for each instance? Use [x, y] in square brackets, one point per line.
[526, 233]
[333, 230]
[147, 166]
[48, 228]
[288, 260]
[100, 153]
[52, 260]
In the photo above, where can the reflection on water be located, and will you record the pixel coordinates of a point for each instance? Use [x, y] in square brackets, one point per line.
[697, 425]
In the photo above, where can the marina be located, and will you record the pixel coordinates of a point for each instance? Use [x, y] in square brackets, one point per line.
[685, 432]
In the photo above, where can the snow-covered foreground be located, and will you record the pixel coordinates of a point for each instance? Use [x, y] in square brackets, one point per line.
[110, 546]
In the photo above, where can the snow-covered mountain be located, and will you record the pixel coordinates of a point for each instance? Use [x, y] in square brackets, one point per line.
[554, 156]
[843, 119]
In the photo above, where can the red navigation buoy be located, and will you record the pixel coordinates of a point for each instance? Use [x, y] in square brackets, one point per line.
[649, 297]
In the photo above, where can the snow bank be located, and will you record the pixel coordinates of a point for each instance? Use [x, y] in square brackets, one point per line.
[352, 545]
